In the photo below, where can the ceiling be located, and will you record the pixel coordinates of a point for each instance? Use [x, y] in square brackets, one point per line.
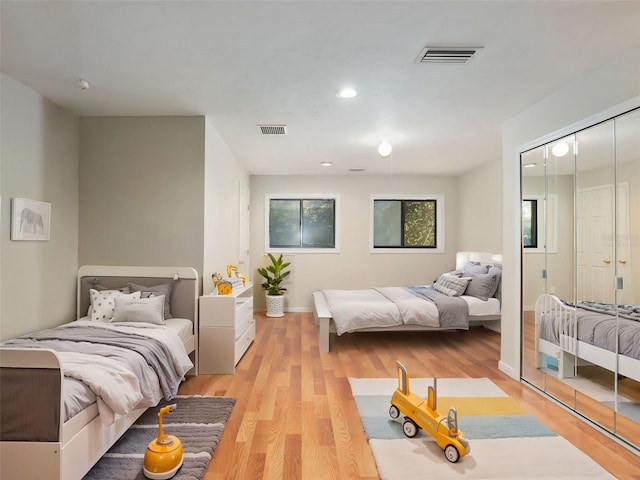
[245, 63]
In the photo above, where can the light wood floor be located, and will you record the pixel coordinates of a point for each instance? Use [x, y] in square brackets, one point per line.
[295, 417]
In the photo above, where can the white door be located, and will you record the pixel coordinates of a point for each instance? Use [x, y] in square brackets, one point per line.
[595, 244]
[623, 246]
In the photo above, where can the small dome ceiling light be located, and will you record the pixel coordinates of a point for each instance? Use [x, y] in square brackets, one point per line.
[83, 84]
[326, 164]
[385, 148]
[560, 149]
[346, 92]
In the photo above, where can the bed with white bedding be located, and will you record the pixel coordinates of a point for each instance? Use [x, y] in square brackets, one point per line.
[471, 297]
[68, 393]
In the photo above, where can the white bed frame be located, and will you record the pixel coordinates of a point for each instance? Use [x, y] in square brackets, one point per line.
[83, 439]
[571, 349]
[326, 326]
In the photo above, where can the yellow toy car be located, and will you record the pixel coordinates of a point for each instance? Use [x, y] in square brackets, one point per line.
[421, 414]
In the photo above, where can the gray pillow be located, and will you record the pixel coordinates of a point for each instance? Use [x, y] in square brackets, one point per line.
[481, 285]
[143, 310]
[497, 271]
[164, 289]
[450, 285]
[471, 268]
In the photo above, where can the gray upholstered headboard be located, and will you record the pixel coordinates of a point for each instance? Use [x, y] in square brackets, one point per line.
[184, 296]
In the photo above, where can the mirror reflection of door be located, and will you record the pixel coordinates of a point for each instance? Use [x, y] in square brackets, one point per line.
[533, 260]
[628, 271]
[581, 247]
[595, 257]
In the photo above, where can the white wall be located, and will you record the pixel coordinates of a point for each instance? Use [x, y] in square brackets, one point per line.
[224, 178]
[480, 209]
[354, 267]
[142, 191]
[594, 97]
[39, 161]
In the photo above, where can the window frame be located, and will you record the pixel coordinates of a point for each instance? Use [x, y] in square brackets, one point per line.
[547, 206]
[302, 196]
[535, 236]
[440, 223]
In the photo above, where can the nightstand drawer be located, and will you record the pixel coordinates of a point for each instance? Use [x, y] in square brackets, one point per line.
[243, 305]
[242, 343]
[243, 323]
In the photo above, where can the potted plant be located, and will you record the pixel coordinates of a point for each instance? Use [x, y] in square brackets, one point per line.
[274, 276]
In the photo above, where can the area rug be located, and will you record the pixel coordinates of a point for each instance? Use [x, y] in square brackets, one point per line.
[198, 421]
[506, 442]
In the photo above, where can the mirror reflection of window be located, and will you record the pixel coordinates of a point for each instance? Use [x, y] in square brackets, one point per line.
[530, 223]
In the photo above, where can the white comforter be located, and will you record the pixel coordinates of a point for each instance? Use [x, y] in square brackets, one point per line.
[117, 389]
[378, 307]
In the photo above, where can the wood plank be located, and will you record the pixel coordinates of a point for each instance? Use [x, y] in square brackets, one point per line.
[295, 417]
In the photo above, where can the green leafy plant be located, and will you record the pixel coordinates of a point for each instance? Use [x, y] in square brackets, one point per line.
[274, 275]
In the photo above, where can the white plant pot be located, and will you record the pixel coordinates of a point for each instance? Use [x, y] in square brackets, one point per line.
[275, 305]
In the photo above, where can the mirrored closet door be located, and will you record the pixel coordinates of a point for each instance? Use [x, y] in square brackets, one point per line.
[581, 272]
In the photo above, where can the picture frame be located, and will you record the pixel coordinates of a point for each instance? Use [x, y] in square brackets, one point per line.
[30, 219]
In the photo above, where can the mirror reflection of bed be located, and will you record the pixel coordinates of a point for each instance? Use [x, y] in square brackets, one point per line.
[581, 266]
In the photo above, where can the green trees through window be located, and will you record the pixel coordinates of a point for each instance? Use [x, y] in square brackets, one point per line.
[405, 223]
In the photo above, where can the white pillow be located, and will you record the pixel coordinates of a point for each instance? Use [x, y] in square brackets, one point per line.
[102, 303]
[146, 310]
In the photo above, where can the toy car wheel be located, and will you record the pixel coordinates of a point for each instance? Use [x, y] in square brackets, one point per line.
[409, 428]
[451, 453]
[394, 412]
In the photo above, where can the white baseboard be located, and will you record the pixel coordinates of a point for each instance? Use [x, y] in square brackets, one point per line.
[503, 367]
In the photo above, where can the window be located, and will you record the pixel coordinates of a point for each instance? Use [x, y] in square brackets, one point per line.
[297, 223]
[407, 223]
[539, 236]
[530, 223]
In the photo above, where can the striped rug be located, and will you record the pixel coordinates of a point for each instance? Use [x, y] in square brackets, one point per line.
[198, 421]
[506, 442]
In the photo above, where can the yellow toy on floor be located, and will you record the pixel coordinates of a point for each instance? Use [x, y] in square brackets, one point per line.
[164, 455]
[419, 413]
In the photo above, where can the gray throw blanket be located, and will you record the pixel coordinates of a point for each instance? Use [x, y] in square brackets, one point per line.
[154, 352]
[453, 311]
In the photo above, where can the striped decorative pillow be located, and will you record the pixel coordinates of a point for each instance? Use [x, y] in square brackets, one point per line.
[450, 285]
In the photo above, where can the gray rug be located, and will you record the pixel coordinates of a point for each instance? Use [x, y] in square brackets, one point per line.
[197, 421]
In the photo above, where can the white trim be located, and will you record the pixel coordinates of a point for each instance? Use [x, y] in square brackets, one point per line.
[301, 196]
[439, 198]
[581, 125]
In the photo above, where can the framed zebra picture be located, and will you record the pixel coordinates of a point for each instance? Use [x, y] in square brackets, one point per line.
[30, 219]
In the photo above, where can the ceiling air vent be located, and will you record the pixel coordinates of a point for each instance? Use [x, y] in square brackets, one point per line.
[273, 129]
[447, 55]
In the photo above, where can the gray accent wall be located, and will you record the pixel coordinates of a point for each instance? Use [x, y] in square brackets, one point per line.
[39, 161]
[142, 191]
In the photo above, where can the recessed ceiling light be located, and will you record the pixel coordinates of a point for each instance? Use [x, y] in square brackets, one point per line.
[326, 164]
[529, 165]
[347, 92]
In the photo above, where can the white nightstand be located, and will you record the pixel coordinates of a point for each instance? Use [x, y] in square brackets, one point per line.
[227, 328]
